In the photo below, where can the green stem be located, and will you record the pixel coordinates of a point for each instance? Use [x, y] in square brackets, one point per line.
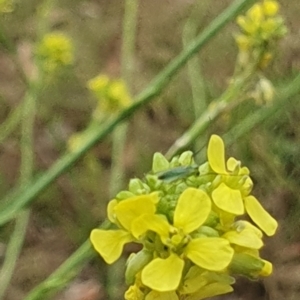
[194, 67]
[13, 251]
[226, 101]
[129, 37]
[114, 277]
[16, 241]
[66, 272]
[127, 56]
[263, 113]
[23, 197]
[10, 123]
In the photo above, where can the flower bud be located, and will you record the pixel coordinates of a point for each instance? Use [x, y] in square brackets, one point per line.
[160, 163]
[135, 263]
[247, 265]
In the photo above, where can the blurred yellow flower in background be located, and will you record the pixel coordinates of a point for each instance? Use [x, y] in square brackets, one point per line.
[54, 51]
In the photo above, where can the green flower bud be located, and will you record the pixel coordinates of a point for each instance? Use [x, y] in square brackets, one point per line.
[135, 185]
[124, 195]
[135, 263]
[153, 182]
[207, 231]
[160, 163]
[247, 265]
[212, 219]
[186, 158]
[205, 169]
[180, 188]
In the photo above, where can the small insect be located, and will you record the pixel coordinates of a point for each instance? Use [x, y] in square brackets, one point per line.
[186, 171]
[178, 173]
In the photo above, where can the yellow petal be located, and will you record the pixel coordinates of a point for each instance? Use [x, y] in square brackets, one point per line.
[156, 223]
[241, 225]
[154, 295]
[260, 216]
[110, 210]
[228, 199]
[109, 243]
[163, 275]
[130, 209]
[210, 290]
[267, 268]
[255, 13]
[270, 8]
[216, 154]
[192, 209]
[246, 238]
[212, 254]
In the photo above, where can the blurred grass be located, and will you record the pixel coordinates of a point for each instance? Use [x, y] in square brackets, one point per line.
[76, 202]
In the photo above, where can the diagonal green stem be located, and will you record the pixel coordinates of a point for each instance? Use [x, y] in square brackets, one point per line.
[23, 197]
[226, 101]
[66, 272]
[194, 65]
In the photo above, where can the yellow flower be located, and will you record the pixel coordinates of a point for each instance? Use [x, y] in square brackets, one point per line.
[270, 8]
[233, 200]
[55, 50]
[110, 243]
[112, 95]
[164, 273]
[98, 84]
[255, 14]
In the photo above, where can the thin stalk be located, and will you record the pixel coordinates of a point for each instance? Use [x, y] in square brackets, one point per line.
[23, 197]
[226, 101]
[114, 276]
[11, 122]
[194, 67]
[12, 251]
[246, 125]
[16, 241]
[127, 57]
[66, 272]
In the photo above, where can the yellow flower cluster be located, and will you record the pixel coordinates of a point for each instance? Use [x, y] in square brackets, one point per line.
[112, 95]
[190, 222]
[260, 26]
[54, 51]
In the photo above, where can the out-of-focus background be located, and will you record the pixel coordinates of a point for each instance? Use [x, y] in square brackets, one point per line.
[64, 214]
